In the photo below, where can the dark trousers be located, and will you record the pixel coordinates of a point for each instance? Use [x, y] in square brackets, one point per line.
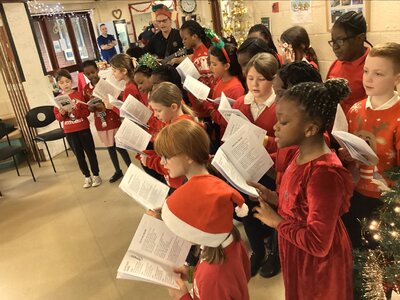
[81, 142]
[257, 231]
[112, 151]
[361, 207]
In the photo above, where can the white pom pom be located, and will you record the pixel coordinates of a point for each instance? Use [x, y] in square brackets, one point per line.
[242, 211]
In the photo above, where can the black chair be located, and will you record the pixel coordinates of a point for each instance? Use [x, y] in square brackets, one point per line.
[11, 151]
[42, 116]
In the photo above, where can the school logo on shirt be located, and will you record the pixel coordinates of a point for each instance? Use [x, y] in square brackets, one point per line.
[175, 44]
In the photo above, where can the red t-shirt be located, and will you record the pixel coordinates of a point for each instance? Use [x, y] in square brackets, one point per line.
[352, 71]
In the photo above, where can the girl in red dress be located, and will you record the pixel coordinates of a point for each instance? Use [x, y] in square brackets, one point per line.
[315, 190]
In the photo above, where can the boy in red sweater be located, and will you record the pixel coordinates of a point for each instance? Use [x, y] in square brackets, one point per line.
[376, 120]
[77, 130]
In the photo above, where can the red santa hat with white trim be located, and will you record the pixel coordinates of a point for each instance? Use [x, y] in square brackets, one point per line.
[206, 217]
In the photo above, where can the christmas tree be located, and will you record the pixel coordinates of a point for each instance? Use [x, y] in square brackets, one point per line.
[377, 271]
[235, 20]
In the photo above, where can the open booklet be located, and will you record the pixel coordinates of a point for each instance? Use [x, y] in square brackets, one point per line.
[236, 122]
[243, 158]
[64, 102]
[143, 188]
[196, 88]
[186, 67]
[226, 110]
[115, 102]
[358, 149]
[131, 136]
[136, 111]
[109, 86]
[153, 254]
[218, 100]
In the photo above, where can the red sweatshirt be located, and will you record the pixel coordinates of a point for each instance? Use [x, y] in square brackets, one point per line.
[352, 71]
[112, 118]
[381, 130]
[81, 112]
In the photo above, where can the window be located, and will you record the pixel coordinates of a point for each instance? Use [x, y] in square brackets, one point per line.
[65, 41]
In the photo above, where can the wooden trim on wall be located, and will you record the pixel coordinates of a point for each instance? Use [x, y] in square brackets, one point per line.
[216, 16]
[11, 42]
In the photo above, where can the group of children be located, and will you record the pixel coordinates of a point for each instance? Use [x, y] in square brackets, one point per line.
[302, 203]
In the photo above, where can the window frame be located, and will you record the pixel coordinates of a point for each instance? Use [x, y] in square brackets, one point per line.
[43, 22]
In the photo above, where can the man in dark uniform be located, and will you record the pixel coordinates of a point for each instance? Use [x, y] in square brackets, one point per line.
[106, 43]
[168, 40]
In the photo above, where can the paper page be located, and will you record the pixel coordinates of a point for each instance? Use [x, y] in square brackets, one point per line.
[228, 170]
[358, 148]
[224, 102]
[115, 102]
[156, 242]
[227, 111]
[218, 100]
[136, 267]
[340, 123]
[236, 122]
[186, 67]
[197, 88]
[64, 102]
[104, 88]
[247, 154]
[117, 84]
[143, 188]
[131, 136]
[135, 110]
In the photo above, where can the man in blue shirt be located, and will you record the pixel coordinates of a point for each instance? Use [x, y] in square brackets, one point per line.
[106, 43]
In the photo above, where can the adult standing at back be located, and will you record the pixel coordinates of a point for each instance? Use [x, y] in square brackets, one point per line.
[107, 43]
[348, 35]
[168, 40]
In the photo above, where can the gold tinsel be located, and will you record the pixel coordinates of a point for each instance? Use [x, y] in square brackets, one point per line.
[372, 275]
[235, 20]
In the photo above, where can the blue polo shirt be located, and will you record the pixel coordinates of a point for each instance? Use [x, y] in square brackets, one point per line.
[106, 54]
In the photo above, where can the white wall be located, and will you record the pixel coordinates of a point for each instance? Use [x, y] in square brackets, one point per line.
[36, 86]
[384, 24]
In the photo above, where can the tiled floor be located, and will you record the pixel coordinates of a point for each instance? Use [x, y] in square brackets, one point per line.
[59, 241]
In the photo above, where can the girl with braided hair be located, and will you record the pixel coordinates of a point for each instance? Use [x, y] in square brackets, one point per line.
[348, 38]
[315, 190]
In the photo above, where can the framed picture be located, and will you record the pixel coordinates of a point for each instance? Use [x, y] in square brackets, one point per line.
[336, 8]
[267, 22]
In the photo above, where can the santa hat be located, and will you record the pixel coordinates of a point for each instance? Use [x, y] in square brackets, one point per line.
[161, 9]
[205, 217]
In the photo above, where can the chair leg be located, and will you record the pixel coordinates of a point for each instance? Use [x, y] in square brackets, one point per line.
[48, 151]
[29, 165]
[15, 165]
[37, 156]
[65, 146]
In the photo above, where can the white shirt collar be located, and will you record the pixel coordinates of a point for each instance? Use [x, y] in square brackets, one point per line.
[388, 104]
[249, 99]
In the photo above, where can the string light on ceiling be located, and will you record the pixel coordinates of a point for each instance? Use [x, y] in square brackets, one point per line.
[36, 7]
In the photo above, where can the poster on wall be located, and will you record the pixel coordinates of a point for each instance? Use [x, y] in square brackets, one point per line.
[266, 21]
[300, 11]
[336, 8]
